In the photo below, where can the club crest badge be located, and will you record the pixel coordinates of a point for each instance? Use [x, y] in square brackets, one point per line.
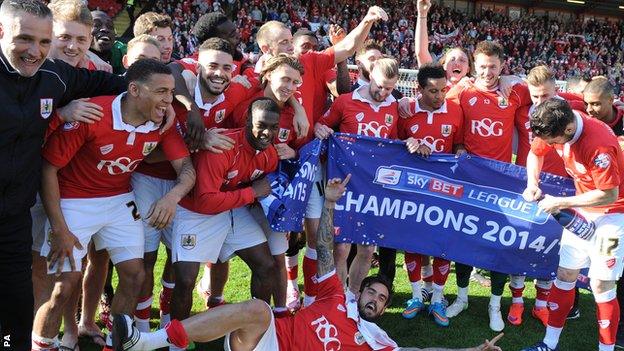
[446, 130]
[188, 241]
[220, 116]
[283, 135]
[148, 147]
[389, 119]
[45, 107]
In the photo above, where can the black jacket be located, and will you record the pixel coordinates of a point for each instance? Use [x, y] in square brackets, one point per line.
[26, 105]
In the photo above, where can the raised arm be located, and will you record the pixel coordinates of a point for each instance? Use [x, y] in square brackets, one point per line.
[325, 235]
[350, 43]
[421, 37]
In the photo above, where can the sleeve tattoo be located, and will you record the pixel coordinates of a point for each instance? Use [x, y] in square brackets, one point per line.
[325, 242]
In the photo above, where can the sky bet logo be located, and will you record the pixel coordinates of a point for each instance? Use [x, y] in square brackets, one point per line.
[412, 180]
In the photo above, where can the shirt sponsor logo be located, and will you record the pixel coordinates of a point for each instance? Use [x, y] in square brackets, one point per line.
[446, 130]
[327, 334]
[436, 145]
[119, 166]
[374, 129]
[106, 149]
[188, 241]
[219, 116]
[45, 107]
[71, 126]
[486, 127]
[602, 161]
[148, 147]
[283, 135]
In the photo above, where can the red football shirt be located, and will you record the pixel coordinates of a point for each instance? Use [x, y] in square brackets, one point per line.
[352, 113]
[489, 121]
[439, 129]
[286, 134]
[315, 65]
[324, 325]
[321, 93]
[215, 115]
[223, 180]
[593, 158]
[96, 160]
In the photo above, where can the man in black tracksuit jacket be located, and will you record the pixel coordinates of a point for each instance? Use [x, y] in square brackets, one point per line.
[28, 95]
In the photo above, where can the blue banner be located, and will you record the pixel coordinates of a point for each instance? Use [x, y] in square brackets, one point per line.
[291, 185]
[465, 209]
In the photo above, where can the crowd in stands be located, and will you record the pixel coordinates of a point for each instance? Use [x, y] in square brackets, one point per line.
[576, 48]
[111, 7]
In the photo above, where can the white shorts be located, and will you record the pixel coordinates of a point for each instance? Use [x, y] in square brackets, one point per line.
[39, 219]
[278, 243]
[148, 190]
[317, 198]
[603, 254]
[208, 238]
[112, 222]
[268, 342]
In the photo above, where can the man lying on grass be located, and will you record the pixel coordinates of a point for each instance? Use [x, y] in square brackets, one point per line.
[330, 323]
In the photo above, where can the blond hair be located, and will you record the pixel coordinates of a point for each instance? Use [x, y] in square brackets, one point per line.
[262, 37]
[388, 66]
[276, 61]
[540, 75]
[71, 11]
[143, 38]
[149, 21]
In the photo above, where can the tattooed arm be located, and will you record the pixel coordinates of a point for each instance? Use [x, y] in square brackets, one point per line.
[325, 235]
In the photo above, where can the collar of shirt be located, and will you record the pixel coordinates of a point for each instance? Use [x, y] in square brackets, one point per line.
[119, 124]
[361, 82]
[579, 129]
[375, 337]
[430, 114]
[387, 102]
[206, 106]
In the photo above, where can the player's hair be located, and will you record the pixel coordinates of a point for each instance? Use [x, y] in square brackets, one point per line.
[599, 85]
[11, 8]
[443, 58]
[377, 278]
[276, 61]
[217, 44]
[369, 44]
[540, 75]
[262, 37]
[430, 71]
[149, 21]
[574, 83]
[71, 11]
[387, 66]
[142, 70]
[143, 38]
[304, 32]
[490, 48]
[550, 118]
[262, 104]
[207, 26]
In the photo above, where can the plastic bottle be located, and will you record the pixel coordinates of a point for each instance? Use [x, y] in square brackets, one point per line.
[576, 223]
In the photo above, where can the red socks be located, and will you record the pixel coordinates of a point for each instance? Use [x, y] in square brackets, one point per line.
[176, 334]
[560, 303]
